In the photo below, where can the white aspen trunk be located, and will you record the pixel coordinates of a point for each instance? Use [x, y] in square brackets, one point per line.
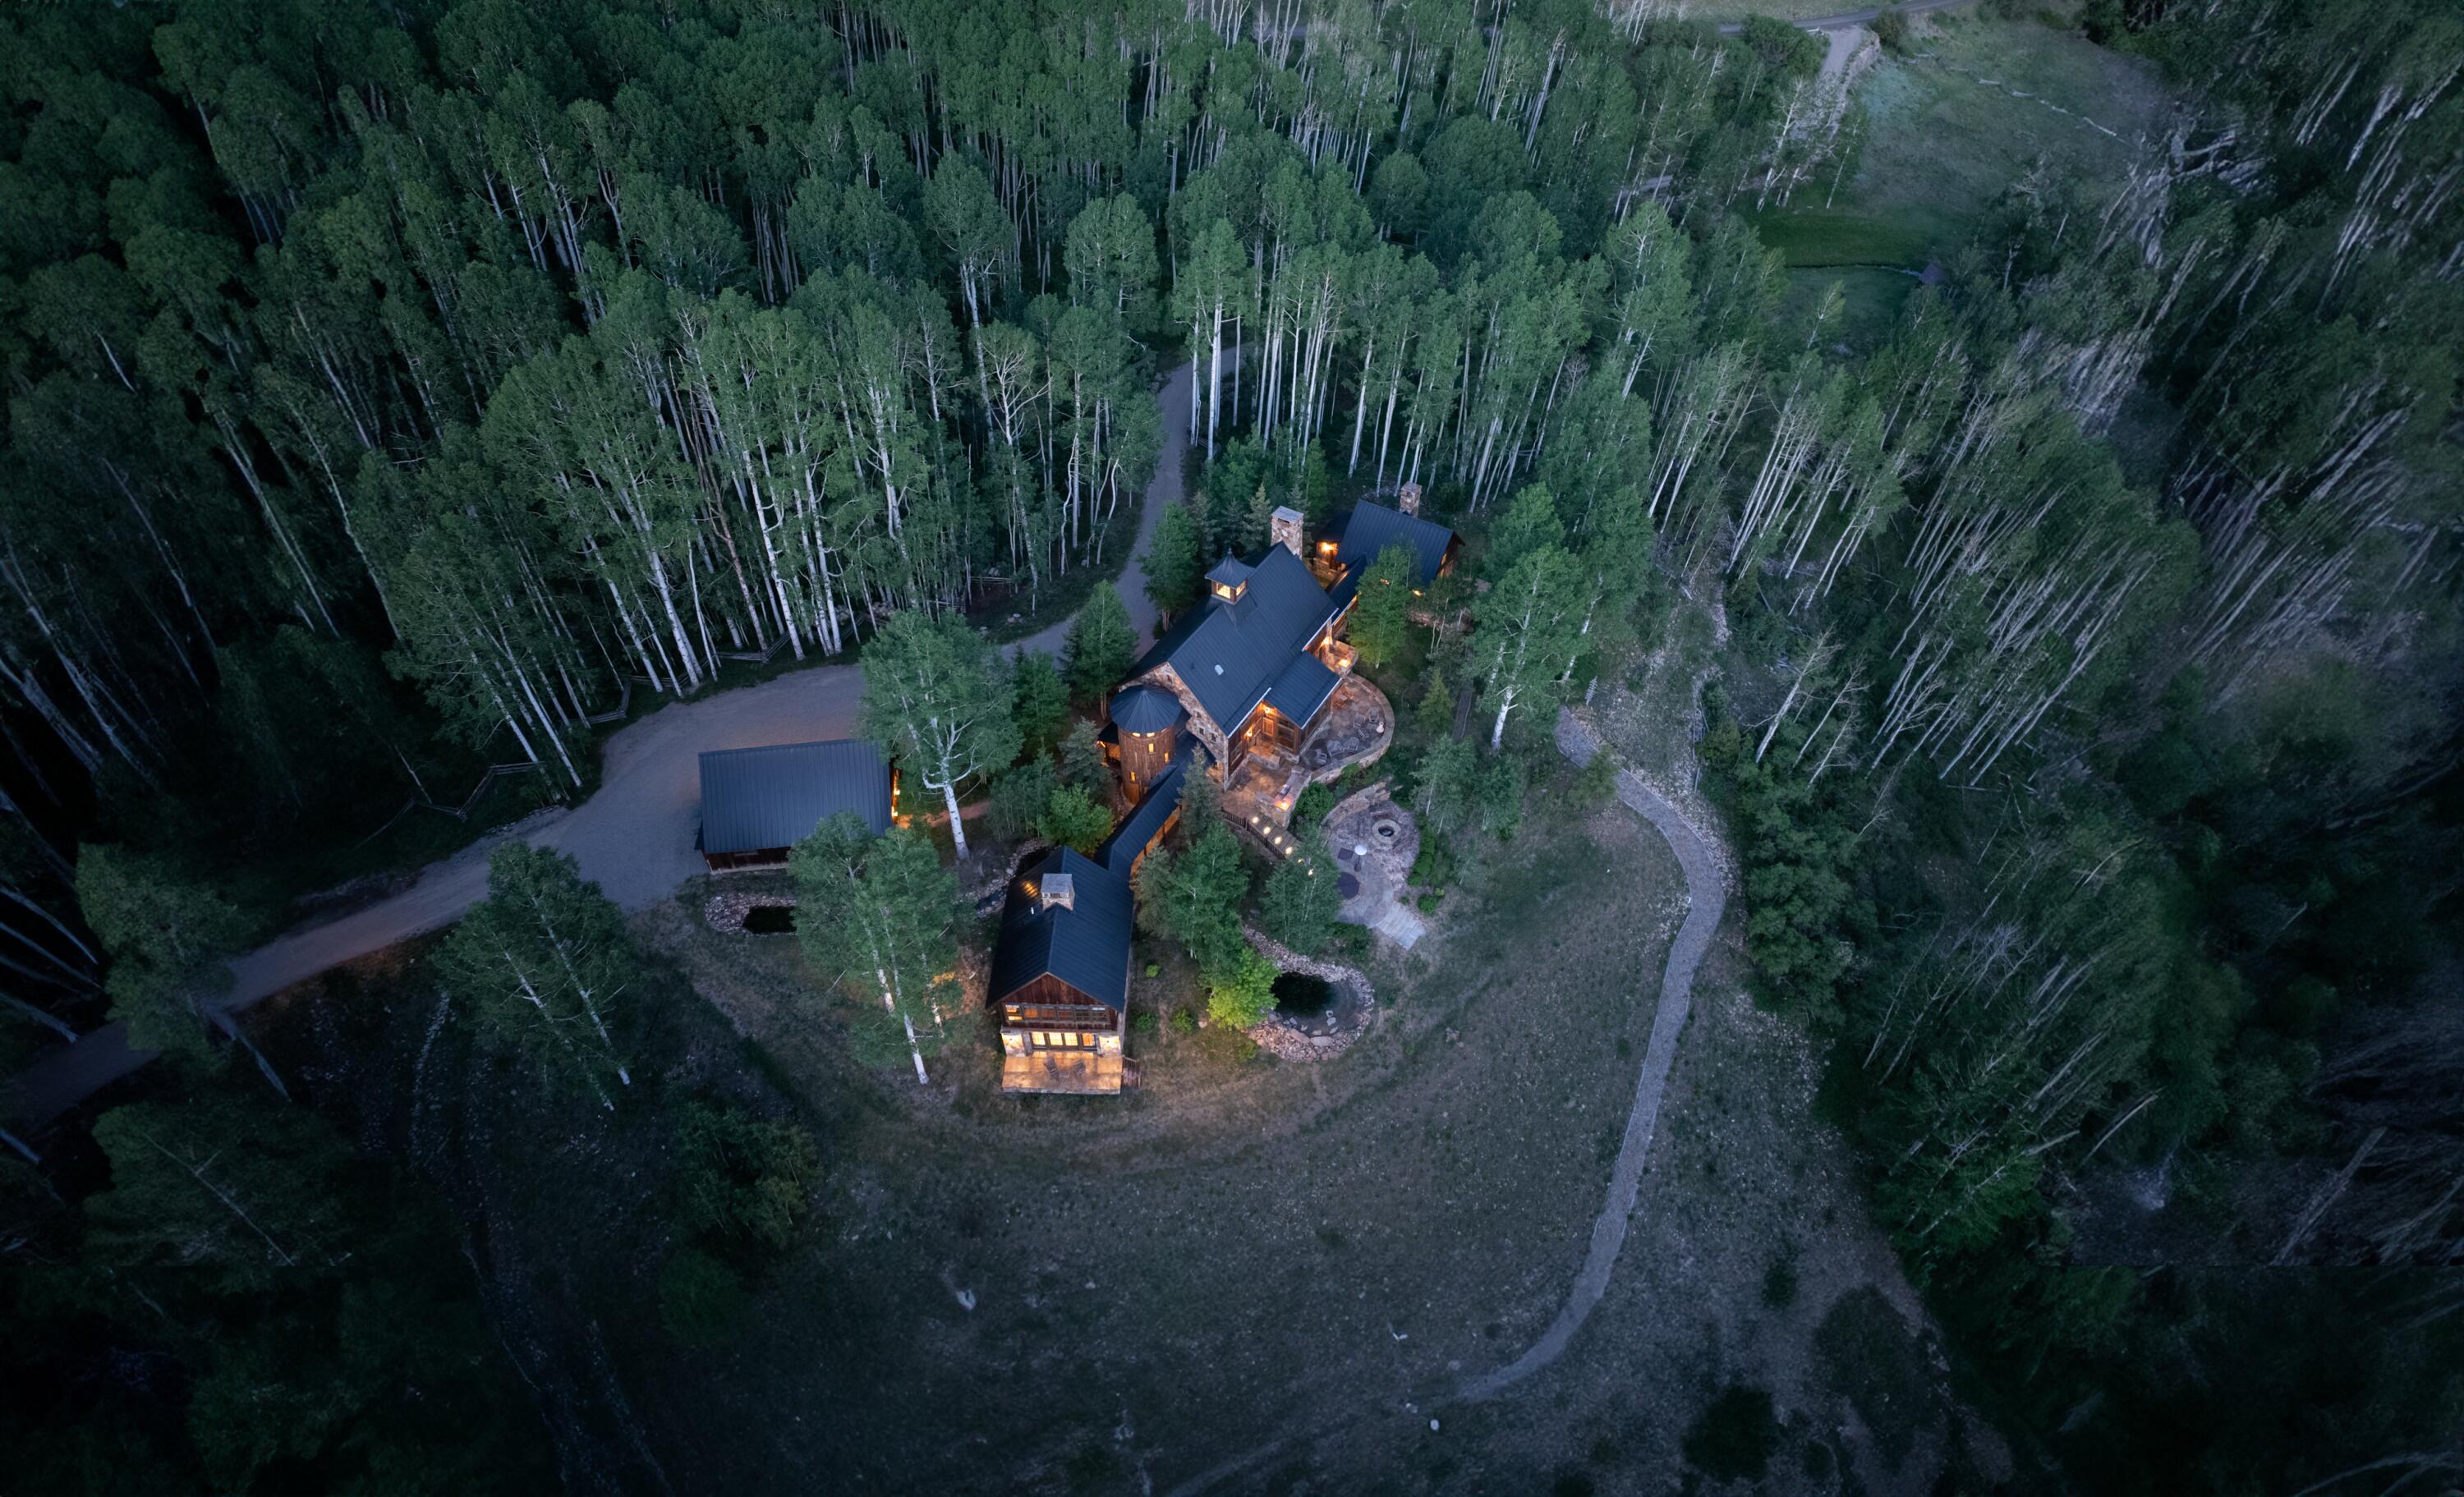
[949, 789]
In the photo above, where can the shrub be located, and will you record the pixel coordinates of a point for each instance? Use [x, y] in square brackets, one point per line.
[1183, 1022]
[701, 1299]
[1734, 1438]
[737, 1176]
[1240, 991]
[1891, 30]
[1073, 819]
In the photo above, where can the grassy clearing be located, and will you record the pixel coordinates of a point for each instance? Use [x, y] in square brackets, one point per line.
[1975, 106]
[1236, 1244]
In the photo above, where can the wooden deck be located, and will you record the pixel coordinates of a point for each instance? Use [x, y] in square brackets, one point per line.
[1079, 1072]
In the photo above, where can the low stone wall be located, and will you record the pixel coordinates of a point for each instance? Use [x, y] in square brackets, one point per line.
[726, 911]
[1279, 1036]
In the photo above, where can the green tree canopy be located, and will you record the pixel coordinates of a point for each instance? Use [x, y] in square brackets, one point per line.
[1196, 897]
[1301, 902]
[1378, 627]
[1039, 701]
[1073, 819]
[546, 966]
[881, 914]
[1174, 561]
[934, 694]
[1102, 644]
[167, 940]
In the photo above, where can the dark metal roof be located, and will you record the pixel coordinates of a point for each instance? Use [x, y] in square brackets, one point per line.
[1303, 688]
[774, 795]
[1146, 708]
[1086, 945]
[1229, 654]
[1371, 528]
[1139, 829]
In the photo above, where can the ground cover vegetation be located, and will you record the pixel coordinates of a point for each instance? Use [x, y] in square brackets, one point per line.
[2087, 810]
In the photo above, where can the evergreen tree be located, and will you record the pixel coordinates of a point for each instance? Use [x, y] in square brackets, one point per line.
[1083, 766]
[1039, 702]
[1377, 624]
[1102, 646]
[1174, 561]
[1196, 897]
[1018, 799]
[1071, 818]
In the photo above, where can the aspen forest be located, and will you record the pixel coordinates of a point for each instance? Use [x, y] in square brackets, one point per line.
[404, 396]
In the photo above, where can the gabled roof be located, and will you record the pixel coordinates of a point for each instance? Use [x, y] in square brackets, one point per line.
[1371, 528]
[1086, 945]
[1303, 688]
[754, 798]
[1229, 654]
[1146, 708]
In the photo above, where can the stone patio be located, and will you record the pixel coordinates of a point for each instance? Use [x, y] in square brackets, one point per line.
[1374, 843]
[1357, 728]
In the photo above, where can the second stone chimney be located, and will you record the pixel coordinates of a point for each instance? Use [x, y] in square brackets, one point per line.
[1408, 501]
[1060, 890]
[1284, 528]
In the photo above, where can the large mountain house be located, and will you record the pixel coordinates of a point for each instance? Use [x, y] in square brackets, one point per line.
[758, 803]
[1256, 676]
[1247, 672]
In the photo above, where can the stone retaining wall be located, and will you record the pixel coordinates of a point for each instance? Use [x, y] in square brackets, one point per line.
[1279, 1036]
[727, 912]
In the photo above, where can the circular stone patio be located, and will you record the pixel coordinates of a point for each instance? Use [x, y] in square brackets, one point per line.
[1375, 842]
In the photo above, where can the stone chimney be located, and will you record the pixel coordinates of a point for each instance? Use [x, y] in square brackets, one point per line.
[1060, 890]
[1284, 528]
[1409, 500]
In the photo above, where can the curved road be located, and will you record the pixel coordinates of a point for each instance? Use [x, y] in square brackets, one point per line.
[634, 836]
[1846, 18]
[1706, 899]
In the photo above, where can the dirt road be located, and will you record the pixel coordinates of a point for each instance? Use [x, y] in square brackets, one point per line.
[1847, 18]
[635, 836]
[1707, 896]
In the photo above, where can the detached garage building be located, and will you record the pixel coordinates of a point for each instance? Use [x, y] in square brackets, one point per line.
[758, 803]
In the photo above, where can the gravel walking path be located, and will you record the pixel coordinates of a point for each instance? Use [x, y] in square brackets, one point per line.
[1707, 896]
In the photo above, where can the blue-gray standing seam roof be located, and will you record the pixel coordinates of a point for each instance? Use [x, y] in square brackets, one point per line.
[754, 798]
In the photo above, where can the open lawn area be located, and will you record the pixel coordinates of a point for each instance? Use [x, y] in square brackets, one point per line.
[1240, 1257]
[1974, 106]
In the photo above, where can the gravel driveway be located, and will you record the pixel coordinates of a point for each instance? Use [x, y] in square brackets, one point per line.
[634, 836]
